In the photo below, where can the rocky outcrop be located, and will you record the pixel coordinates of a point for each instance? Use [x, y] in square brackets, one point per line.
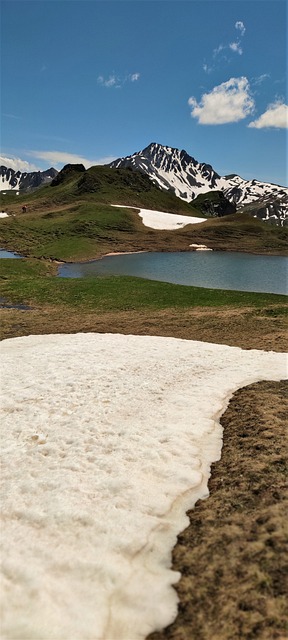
[67, 172]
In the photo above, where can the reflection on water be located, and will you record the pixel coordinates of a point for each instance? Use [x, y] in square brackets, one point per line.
[212, 269]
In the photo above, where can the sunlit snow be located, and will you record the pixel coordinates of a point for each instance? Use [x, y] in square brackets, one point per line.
[163, 220]
[106, 441]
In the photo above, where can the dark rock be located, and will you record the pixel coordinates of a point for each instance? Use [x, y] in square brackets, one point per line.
[67, 171]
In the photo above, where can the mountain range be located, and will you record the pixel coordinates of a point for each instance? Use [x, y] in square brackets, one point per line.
[175, 171]
[24, 180]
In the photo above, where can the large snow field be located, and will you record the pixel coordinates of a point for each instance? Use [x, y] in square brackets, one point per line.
[163, 220]
[106, 441]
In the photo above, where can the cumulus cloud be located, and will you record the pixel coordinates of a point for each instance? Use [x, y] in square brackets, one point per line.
[17, 164]
[240, 26]
[62, 157]
[117, 81]
[276, 115]
[230, 101]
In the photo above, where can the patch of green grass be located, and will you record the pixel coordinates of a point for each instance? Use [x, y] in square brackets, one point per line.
[70, 234]
[275, 313]
[32, 282]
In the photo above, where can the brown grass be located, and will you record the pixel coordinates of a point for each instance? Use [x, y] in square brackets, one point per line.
[248, 328]
[231, 557]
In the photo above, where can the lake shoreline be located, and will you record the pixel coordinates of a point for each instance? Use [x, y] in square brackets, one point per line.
[237, 271]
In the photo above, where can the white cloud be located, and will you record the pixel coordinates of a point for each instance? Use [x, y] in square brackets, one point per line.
[17, 164]
[228, 102]
[112, 81]
[240, 26]
[235, 46]
[134, 77]
[218, 50]
[275, 116]
[116, 81]
[206, 68]
[260, 79]
[62, 157]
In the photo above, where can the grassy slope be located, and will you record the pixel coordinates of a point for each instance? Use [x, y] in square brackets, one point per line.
[73, 221]
[100, 185]
[89, 230]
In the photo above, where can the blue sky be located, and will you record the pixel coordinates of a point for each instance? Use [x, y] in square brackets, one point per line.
[90, 81]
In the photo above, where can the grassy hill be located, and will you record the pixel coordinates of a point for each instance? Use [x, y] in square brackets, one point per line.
[98, 184]
[72, 219]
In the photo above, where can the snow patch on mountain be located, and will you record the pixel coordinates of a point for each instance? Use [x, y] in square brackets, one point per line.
[162, 219]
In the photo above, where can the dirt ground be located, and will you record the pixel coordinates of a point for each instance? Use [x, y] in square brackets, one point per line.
[232, 555]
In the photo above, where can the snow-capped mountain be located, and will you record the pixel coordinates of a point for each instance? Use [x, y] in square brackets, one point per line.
[174, 169]
[18, 180]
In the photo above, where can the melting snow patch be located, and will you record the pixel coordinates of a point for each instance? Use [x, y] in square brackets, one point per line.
[200, 247]
[106, 441]
[163, 220]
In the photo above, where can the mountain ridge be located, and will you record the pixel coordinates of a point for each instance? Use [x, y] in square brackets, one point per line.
[24, 180]
[174, 169]
[175, 172]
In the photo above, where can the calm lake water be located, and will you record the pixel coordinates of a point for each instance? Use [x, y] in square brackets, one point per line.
[211, 269]
[8, 254]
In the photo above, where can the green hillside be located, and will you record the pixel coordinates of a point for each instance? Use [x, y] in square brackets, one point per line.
[99, 184]
[72, 219]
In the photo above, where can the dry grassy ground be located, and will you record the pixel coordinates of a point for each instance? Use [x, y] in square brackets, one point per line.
[231, 556]
[248, 328]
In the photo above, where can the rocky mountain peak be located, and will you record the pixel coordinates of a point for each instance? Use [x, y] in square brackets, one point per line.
[174, 169]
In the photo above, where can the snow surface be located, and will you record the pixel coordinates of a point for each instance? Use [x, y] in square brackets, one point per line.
[106, 441]
[162, 219]
[199, 247]
[5, 184]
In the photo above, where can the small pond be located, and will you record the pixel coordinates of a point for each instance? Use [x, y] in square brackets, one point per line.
[8, 254]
